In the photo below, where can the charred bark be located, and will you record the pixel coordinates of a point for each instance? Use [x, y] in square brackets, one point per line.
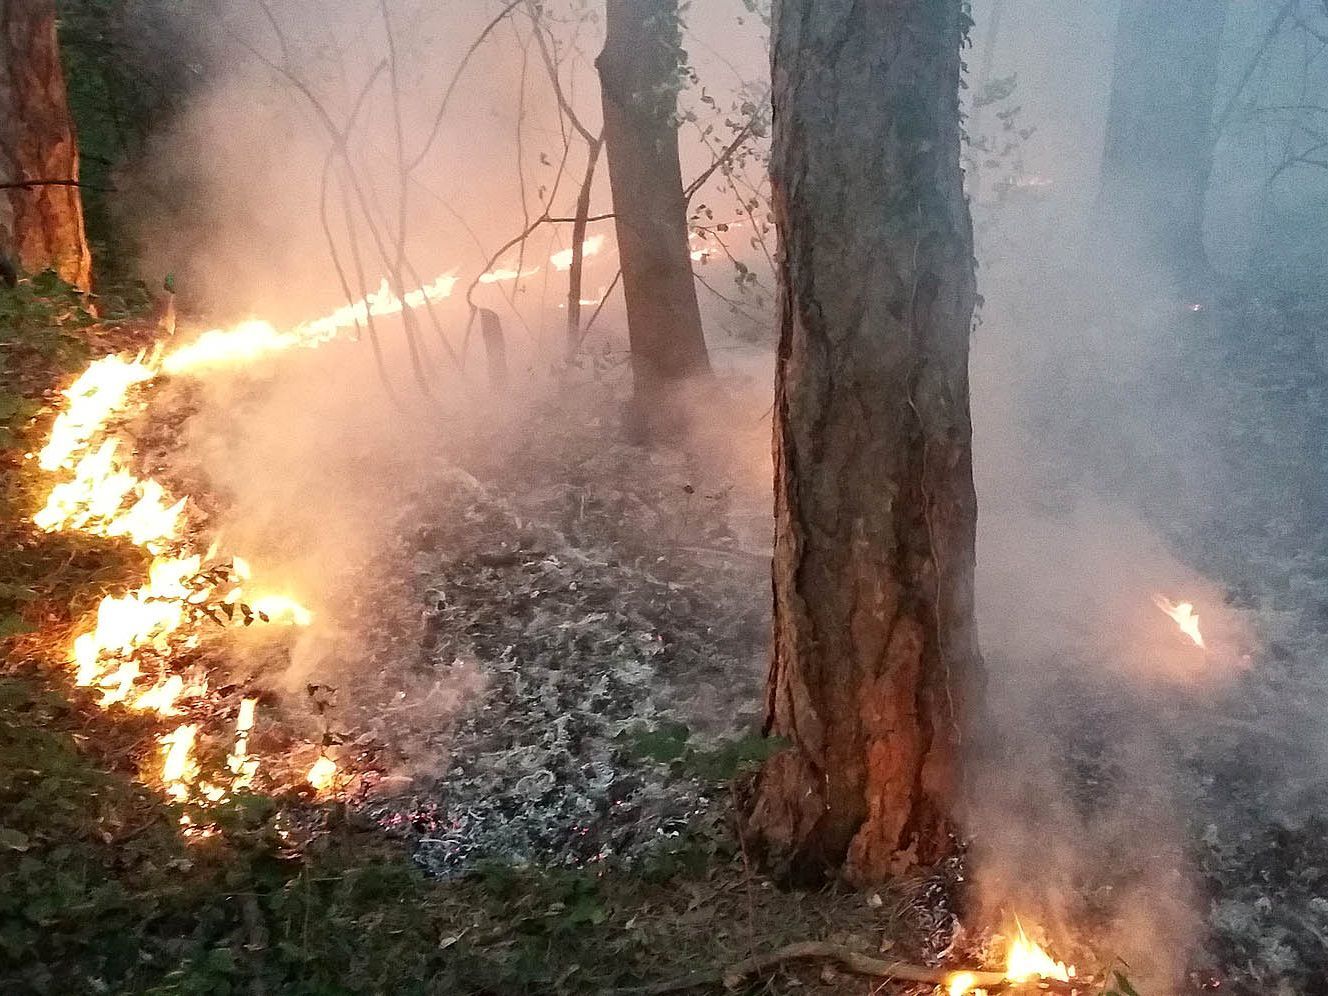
[37, 143]
[639, 72]
[1159, 140]
[875, 646]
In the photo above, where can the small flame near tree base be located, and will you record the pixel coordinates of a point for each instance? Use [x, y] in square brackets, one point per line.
[1026, 962]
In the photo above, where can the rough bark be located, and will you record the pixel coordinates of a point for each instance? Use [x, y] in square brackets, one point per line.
[1159, 140]
[37, 143]
[639, 77]
[875, 647]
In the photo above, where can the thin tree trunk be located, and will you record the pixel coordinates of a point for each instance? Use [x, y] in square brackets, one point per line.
[575, 274]
[875, 646]
[1159, 140]
[639, 72]
[37, 143]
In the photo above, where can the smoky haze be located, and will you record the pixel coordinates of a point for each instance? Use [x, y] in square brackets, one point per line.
[1095, 469]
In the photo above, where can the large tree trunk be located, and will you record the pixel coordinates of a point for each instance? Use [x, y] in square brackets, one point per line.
[37, 143]
[639, 72]
[875, 646]
[1159, 140]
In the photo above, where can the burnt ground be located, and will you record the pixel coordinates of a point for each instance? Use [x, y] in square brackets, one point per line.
[592, 634]
[1241, 495]
[570, 638]
[614, 600]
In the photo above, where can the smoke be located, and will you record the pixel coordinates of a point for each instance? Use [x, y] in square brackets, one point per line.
[1091, 444]
[330, 470]
[1107, 454]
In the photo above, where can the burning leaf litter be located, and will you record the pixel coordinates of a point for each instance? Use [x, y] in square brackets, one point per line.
[99, 494]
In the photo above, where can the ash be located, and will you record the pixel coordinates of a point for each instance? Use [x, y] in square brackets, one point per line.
[589, 643]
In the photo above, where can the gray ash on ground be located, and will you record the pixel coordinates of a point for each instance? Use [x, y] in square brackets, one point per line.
[587, 648]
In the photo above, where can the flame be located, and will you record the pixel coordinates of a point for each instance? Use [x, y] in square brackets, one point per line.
[250, 340]
[961, 983]
[591, 247]
[99, 494]
[178, 768]
[1026, 960]
[242, 766]
[102, 389]
[281, 609]
[323, 775]
[505, 273]
[1183, 615]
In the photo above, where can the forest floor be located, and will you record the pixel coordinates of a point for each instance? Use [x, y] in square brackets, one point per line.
[608, 626]
[577, 840]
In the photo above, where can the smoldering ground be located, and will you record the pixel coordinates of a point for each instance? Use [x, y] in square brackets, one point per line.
[1124, 781]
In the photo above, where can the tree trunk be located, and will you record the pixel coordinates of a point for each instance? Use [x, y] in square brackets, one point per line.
[875, 646]
[37, 143]
[1159, 140]
[640, 70]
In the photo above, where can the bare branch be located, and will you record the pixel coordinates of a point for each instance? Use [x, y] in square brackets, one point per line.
[456, 78]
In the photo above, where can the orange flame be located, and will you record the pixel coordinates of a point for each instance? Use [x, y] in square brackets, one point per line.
[178, 768]
[1183, 615]
[1026, 961]
[242, 766]
[591, 247]
[323, 775]
[99, 494]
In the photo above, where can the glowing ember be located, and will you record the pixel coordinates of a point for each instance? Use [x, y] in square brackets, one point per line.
[323, 775]
[1026, 961]
[591, 247]
[1183, 615]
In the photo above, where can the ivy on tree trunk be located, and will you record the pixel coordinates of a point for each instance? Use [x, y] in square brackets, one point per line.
[640, 73]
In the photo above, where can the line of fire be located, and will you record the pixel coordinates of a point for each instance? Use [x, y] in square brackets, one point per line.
[636, 496]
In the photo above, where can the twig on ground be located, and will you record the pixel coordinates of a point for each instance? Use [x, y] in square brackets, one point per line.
[854, 961]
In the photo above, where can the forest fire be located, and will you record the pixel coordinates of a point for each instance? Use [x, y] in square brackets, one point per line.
[1184, 616]
[101, 495]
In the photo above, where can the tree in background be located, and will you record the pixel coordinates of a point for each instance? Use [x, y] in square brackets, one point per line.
[38, 147]
[640, 75]
[1159, 139]
[875, 645]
